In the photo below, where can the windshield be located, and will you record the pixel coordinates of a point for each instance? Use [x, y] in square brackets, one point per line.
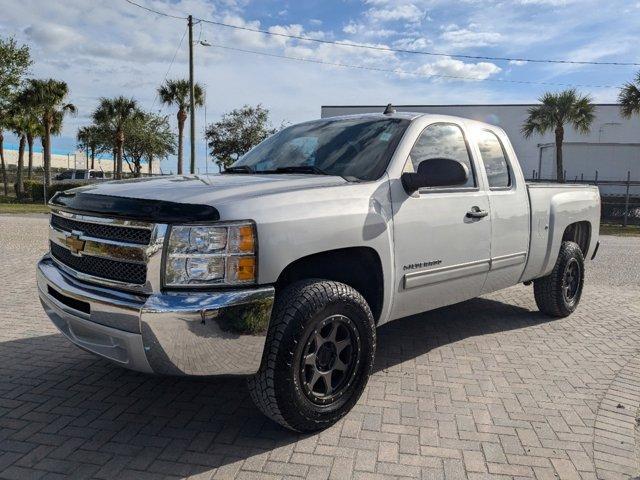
[359, 148]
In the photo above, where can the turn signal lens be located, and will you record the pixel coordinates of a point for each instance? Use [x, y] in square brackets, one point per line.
[242, 239]
[241, 269]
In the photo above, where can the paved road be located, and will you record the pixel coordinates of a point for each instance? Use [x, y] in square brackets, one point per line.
[486, 389]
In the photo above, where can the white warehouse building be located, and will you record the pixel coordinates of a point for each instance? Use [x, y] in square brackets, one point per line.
[611, 149]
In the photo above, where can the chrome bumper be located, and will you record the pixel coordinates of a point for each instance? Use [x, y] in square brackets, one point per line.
[195, 333]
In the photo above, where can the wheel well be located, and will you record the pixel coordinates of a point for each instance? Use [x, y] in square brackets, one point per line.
[580, 233]
[358, 267]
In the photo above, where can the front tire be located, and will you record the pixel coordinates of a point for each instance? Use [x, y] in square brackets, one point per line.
[558, 294]
[318, 356]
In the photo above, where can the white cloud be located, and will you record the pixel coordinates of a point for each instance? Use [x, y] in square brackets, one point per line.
[392, 13]
[367, 30]
[51, 36]
[553, 3]
[412, 43]
[458, 68]
[456, 37]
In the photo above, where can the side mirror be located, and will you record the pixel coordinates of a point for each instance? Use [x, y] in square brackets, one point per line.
[435, 172]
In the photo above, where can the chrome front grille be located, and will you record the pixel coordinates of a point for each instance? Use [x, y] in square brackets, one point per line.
[125, 272]
[120, 253]
[140, 236]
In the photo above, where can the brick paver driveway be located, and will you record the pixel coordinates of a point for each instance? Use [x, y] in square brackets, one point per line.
[486, 389]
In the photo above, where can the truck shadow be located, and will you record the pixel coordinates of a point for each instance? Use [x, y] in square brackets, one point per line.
[116, 423]
[411, 337]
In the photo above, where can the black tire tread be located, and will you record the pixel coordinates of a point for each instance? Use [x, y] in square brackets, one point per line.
[547, 291]
[300, 298]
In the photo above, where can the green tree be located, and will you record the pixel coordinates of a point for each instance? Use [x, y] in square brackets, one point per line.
[93, 140]
[176, 92]
[111, 115]
[237, 132]
[554, 112]
[148, 136]
[14, 63]
[47, 99]
[629, 98]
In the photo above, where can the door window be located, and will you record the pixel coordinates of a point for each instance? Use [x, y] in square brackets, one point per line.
[494, 159]
[442, 140]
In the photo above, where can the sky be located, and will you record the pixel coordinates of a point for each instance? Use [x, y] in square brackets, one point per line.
[105, 48]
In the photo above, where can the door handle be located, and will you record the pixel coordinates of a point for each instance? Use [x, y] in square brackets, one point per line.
[477, 212]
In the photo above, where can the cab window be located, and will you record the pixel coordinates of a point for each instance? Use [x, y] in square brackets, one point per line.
[443, 140]
[494, 159]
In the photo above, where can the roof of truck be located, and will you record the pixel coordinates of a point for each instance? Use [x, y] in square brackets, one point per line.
[413, 116]
[404, 115]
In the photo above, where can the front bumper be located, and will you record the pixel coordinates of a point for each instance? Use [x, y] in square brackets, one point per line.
[195, 333]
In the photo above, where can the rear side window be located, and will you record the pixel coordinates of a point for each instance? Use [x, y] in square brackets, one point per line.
[443, 140]
[494, 159]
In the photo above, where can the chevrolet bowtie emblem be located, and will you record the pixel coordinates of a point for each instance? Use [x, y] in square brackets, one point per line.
[74, 244]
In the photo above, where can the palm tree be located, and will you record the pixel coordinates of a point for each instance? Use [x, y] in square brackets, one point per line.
[176, 92]
[3, 166]
[91, 138]
[113, 113]
[47, 100]
[19, 123]
[33, 130]
[556, 111]
[629, 98]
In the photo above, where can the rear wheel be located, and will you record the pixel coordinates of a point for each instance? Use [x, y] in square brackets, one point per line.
[558, 294]
[318, 356]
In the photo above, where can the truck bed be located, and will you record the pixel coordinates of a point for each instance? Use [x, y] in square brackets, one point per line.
[554, 207]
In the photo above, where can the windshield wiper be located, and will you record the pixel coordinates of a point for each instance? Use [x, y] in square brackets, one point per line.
[239, 169]
[301, 169]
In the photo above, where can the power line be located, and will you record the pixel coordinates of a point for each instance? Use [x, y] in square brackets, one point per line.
[404, 72]
[155, 11]
[169, 69]
[393, 50]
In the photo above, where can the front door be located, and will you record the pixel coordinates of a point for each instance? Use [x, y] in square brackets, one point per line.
[442, 254]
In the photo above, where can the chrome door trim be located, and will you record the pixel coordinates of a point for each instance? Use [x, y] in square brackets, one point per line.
[508, 260]
[444, 274]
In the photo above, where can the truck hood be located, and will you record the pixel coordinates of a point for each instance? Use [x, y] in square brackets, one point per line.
[182, 198]
[209, 189]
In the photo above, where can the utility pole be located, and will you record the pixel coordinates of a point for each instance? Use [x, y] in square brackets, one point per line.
[192, 105]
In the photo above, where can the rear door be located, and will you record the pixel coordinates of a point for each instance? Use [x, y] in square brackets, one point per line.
[442, 254]
[509, 208]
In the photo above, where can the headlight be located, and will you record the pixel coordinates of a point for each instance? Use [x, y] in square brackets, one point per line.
[211, 255]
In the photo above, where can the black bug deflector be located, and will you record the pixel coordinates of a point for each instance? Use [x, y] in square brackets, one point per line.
[156, 211]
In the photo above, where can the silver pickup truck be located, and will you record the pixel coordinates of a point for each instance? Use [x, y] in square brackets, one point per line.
[282, 267]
